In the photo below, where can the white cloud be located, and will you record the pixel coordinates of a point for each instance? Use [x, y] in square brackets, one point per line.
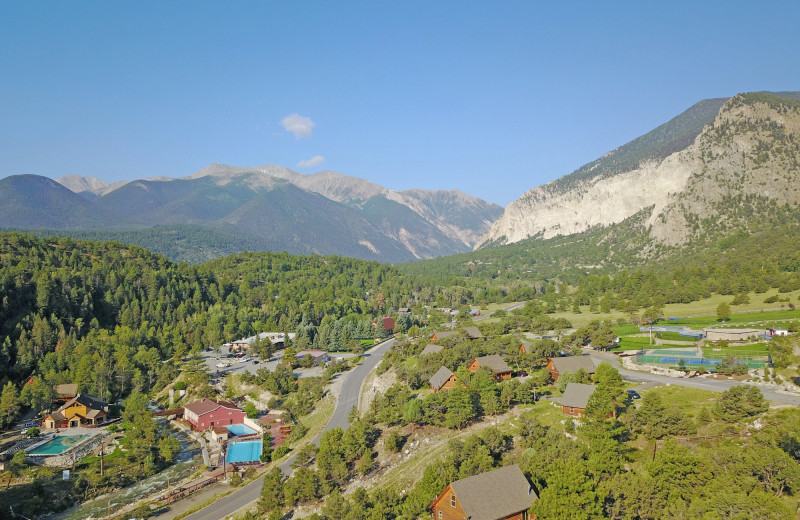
[317, 159]
[300, 126]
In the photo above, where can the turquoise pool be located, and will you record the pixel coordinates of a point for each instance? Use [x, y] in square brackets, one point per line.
[240, 429]
[59, 445]
[249, 451]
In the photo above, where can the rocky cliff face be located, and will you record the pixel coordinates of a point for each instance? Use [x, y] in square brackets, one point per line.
[747, 166]
[744, 159]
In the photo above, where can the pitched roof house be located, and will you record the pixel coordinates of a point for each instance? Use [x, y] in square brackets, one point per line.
[81, 410]
[320, 356]
[430, 348]
[576, 397]
[497, 364]
[525, 347]
[444, 379]
[443, 334]
[501, 494]
[207, 413]
[473, 332]
[559, 365]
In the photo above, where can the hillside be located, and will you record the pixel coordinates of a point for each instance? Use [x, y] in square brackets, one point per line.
[656, 173]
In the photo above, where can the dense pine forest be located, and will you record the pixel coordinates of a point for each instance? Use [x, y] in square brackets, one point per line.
[107, 316]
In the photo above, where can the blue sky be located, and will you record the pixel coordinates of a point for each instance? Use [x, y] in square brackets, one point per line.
[491, 98]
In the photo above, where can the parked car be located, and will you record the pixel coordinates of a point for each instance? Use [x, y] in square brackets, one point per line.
[633, 394]
[520, 373]
[223, 365]
[240, 355]
[255, 361]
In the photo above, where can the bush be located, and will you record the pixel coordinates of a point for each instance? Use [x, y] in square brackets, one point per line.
[279, 452]
[32, 432]
[740, 402]
[180, 385]
[394, 442]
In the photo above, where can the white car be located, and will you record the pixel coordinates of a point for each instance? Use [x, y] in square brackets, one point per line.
[244, 359]
[222, 365]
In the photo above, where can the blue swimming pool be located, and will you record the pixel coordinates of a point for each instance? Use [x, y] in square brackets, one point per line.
[240, 429]
[249, 451]
[59, 444]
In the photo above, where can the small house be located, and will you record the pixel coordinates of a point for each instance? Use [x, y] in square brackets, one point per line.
[81, 410]
[473, 332]
[220, 434]
[501, 494]
[319, 356]
[526, 347]
[444, 334]
[444, 379]
[576, 397]
[495, 363]
[430, 348]
[560, 365]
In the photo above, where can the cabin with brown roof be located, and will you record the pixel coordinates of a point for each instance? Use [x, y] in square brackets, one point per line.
[559, 365]
[473, 332]
[430, 348]
[444, 379]
[502, 494]
[443, 334]
[576, 398]
[525, 347]
[81, 410]
[497, 364]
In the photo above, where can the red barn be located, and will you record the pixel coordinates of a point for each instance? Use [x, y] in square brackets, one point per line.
[207, 413]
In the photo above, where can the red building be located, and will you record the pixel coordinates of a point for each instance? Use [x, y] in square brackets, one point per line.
[207, 413]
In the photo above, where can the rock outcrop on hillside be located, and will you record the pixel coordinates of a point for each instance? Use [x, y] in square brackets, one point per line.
[743, 161]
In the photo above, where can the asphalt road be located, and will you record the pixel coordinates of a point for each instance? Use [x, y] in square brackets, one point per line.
[347, 399]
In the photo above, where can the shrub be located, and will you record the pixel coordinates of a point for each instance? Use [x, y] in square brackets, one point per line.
[180, 385]
[32, 432]
[394, 442]
[279, 452]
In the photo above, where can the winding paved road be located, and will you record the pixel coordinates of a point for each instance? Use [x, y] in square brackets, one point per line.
[348, 398]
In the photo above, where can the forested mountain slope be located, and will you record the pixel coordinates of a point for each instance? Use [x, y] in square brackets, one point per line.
[262, 208]
[106, 315]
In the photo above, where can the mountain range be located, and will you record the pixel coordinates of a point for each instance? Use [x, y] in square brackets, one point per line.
[224, 209]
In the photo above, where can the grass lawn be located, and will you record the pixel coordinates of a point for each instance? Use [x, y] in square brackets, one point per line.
[317, 419]
[688, 400]
[756, 349]
[708, 307]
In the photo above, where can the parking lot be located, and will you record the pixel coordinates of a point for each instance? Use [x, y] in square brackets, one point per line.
[238, 365]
